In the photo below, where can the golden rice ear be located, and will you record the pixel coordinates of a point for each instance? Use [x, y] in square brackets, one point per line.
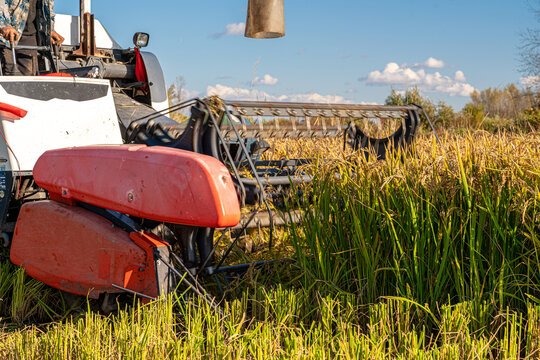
[265, 19]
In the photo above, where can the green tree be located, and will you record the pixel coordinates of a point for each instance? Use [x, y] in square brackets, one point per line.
[506, 103]
[441, 114]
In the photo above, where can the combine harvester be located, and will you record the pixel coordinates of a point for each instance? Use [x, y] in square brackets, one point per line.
[102, 194]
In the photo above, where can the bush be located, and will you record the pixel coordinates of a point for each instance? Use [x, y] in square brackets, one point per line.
[412, 96]
[472, 115]
[530, 119]
[445, 116]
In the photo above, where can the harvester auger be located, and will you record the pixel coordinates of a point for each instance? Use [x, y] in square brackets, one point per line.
[101, 194]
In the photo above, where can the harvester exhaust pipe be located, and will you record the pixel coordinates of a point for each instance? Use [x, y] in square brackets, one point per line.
[86, 8]
[87, 37]
[265, 19]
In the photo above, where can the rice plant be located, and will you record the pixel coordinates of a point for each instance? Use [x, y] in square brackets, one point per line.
[442, 226]
[431, 254]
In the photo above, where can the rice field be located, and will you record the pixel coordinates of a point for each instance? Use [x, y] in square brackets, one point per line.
[431, 254]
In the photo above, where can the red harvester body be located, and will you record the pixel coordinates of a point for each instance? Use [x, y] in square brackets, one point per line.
[85, 253]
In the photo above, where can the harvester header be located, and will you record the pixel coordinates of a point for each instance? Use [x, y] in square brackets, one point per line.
[102, 192]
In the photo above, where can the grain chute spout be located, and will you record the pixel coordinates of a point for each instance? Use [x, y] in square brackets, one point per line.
[265, 19]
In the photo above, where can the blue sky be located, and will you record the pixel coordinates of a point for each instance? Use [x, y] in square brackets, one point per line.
[334, 51]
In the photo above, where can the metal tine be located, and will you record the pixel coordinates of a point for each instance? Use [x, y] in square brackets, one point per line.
[244, 150]
[222, 139]
[196, 288]
[237, 174]
[186, 270]
[256, 176]
[227, 152]
[229, 249]
[253, 170]
[212, 252]
[133, 292]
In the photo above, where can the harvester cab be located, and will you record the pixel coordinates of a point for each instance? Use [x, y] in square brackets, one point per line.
[102, 192]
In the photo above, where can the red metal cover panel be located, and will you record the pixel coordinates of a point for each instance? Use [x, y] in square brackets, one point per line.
[156, 183]
[75, 250]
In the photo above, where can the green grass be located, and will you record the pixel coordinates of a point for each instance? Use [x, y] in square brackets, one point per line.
[434, 257]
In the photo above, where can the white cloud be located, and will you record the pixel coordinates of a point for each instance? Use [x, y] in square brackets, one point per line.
[233, 29]
[430, 63]
[433, 63]
[230, 93]
[227, 92]
[460, 76]
[316, 98]
[530, 81]
[396, 75]
[265, 80]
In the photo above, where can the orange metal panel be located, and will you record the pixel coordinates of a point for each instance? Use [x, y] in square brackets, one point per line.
[156, 183]
[75, 250]
[148, 242]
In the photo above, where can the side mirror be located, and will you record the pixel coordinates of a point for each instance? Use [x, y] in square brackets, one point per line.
[140, 39]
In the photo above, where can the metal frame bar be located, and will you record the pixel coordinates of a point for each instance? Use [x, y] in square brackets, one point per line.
[285, 109]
